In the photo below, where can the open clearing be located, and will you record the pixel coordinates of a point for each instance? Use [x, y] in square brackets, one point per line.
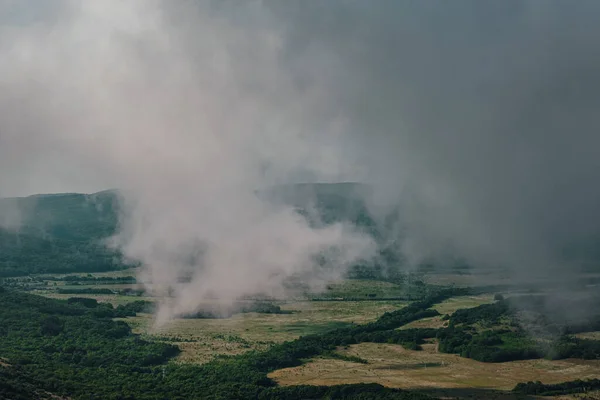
[394, 366]
[201, 340]
[589, 335]
[361, 288]
[456, 303]
[431, 322]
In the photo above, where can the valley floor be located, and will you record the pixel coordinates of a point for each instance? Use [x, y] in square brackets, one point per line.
[393, 366]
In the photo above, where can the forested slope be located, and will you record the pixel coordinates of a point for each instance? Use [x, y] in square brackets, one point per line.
[64, 233]
[58, 234]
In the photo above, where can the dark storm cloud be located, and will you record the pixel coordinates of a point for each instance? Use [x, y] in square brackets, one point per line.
[482, 117]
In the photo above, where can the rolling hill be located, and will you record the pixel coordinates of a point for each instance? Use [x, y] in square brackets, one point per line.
[59, 233]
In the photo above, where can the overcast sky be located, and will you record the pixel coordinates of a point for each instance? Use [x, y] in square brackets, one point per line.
[480, 117]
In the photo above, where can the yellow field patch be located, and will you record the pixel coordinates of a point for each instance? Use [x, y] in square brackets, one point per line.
[449, 306]
[431, 322]
[201, 340]
[393, 366]
[589, 335]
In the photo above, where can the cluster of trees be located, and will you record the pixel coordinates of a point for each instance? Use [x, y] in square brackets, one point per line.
[15, 386]
[362, 391]
[490, 333]
[86, 291]
[488, 346]
[570, 387]
[94, 290]
[44, 282]
[106, 310]
[572, 347]
[94, 279]
[261, 307]
[71, 347]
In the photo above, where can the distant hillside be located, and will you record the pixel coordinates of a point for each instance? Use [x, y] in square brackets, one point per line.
[58, 234]
[61, 233]
[69, 216]
[332, 202]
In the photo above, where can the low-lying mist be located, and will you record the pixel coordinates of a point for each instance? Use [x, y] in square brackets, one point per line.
[473, 123]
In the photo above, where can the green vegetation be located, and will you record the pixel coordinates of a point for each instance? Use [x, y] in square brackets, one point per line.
[393, 287]
[492, 333]
[86, 291]
[261, 307]
[91, 280]
[74, 348]
[78, 347]
[65, 233]
[571, 387]
[59, 234]
[16, 386]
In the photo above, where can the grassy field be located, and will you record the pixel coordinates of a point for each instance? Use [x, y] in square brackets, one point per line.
[393, 366]
[445, 375]
[589, 335]
[202, 340]
[431, 322]
[456, 303]
[360, 288]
